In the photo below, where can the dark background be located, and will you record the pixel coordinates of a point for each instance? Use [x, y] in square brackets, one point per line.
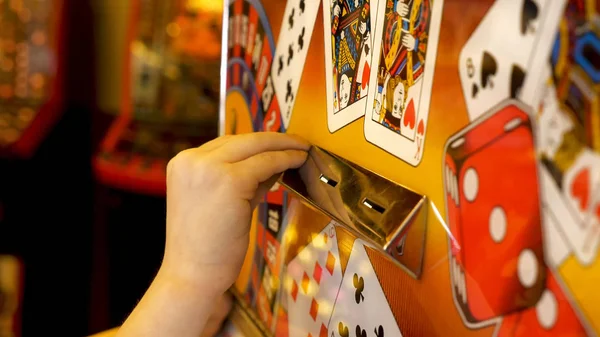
[89, 251]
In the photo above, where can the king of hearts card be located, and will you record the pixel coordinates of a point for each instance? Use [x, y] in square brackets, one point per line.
[487, 109]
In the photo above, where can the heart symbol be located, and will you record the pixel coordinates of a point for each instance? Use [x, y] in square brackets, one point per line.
[409, 115]
[366, 75]
[421, 128]
[580, 189]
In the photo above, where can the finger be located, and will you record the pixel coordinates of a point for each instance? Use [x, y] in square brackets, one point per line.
[263, 188]
[261, 167]
[244, 146]
[215, 143]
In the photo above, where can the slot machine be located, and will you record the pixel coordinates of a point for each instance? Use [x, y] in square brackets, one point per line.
[32, 68]
[170, 92]
[454, 180]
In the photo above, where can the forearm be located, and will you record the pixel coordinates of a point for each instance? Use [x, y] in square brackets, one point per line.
[171, 307]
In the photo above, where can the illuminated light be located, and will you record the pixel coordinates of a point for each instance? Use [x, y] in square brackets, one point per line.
[205, 5]
[26, 114]
[6, 91]
[7, 65]
[305, 256]
[37, 81]
[173, 29]
[38, 37]
[10, 135]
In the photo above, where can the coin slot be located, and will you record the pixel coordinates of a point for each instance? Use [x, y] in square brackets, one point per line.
[374, 206]
[328, 181]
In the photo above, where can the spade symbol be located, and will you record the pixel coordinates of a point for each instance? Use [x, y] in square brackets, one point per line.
[302, 6]
[474, 90]
[517, 77]
[489, 67]
[367, 49]
[360, 332]
[343, 330]
[291, 19]
[528, 15]
[301, 39]
[379, 331]
[289, 95]
[290, 54]
[359, 285]
[280, 67]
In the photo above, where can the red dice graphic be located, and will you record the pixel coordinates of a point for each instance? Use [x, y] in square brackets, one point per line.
[493, 212]
[553, 315]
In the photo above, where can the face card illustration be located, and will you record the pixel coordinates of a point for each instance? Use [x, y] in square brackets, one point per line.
[290, 54]
[503, 51]
[361, 308]
[570, 182]
[348, 52]
[405, 48]
[312, 283]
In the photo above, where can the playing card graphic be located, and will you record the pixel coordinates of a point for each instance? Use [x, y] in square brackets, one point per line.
[405, 48]
[312, 281]
[348, 54]
[501, 58]
[290, 53]
[361, 308]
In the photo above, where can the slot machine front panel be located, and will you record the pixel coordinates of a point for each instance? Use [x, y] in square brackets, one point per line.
[483, 112]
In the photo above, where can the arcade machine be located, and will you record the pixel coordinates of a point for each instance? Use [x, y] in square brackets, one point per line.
[169, 102]
[453, 188]
[32, 69]
[170, 95]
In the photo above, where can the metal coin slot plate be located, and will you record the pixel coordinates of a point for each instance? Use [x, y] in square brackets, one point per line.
[389, 216]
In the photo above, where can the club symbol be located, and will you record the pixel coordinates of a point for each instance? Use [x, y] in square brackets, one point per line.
[291, 18]
[288, 94]
[280, 67]
[360, 332]
[290, 53]
[379, 331]
[359, 285]
[301, 39]
[342, 330]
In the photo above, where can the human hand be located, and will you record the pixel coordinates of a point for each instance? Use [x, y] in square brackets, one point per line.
[218, 316]
[402, 9]
[408, 41]
[211, 193]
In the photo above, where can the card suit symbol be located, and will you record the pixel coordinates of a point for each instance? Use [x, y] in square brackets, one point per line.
[529, 13]
[474, 90]
[379, 331]
[517, 77]
[366, 75]
[289, 96]
[580, 188]
[280, 67]
[409, 115]
[291, 19]
[489, 68]
[343, 330]
[367, 49]
[302, 6]
[301, 39]
[290, 53]
[359, 285]
[421, 128]
[360, 332]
